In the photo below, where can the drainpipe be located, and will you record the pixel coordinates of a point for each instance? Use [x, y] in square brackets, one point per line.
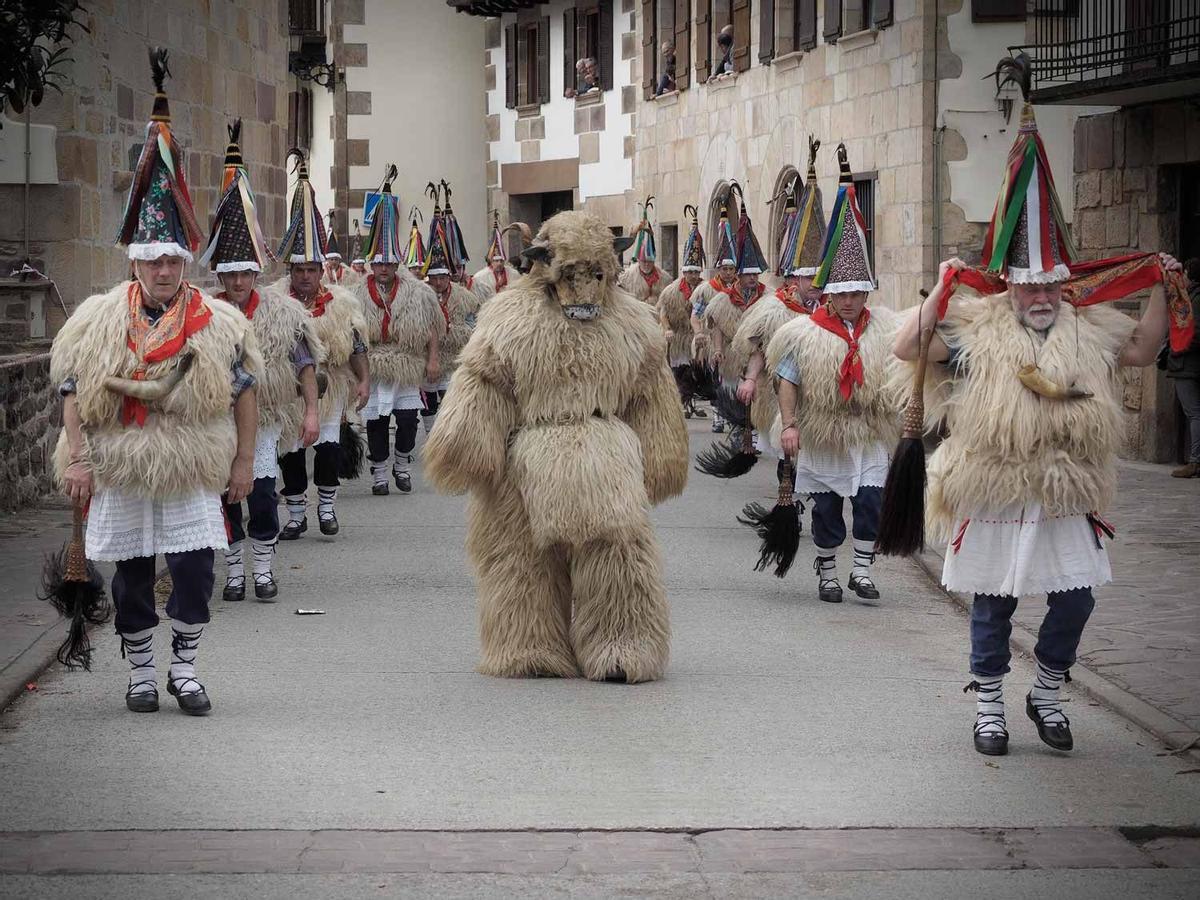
[28, 157]
[936, 141]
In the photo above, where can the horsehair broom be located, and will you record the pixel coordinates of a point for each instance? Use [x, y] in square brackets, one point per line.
[780, 527]
[350, 452]
[902, 518]
[73, 586]
[723, 460]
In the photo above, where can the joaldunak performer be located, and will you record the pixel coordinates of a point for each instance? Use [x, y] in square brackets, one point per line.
[724, 279]
[799, 256]
[642, 277]
[414, 254]
[839, 412]
[148, 372]
[338, 326]
[287, 391]
[458, 308]
[404, 325]
[335, 270]
[675, 313]
[1029, 388]
[498, 273]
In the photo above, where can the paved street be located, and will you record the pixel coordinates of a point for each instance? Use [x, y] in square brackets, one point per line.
[357, 753]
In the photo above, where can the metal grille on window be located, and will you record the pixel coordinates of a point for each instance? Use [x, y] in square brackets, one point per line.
[864, 190]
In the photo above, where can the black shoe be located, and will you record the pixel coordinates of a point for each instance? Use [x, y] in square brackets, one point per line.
[698, 412]
[329, 526]
[829, 591]
[266, 590]
[1056, 734]
[991, 744]
[292, 530]
[233, 594]
[403, 482]
[864, 587]
[195, 703]
[146, 701]
[380, 490]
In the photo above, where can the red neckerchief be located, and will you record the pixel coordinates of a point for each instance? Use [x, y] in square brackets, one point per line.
[153, 342]
[248, 309]
[336, 274]
[469, 282]
[734, 293]
[788, 297]
[318, 303]
[686, 289]
[850, 373]
[373, 290]
[444, 305]
[501, 278]
[651, 279]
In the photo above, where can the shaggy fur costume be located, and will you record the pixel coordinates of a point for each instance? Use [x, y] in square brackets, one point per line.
[461, 308]
[415, 315]
[721, 315]
[565, 431]
[755, 330]
[335, 333]
[189, 439]
[484, 285]
[632, 282]
[678, 311]
[705, 294]
[826, 421]
[1007, 444]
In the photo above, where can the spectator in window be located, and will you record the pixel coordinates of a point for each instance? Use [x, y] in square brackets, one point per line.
[666, 81]
[724, 65]
[1185, 369]
[591, 76]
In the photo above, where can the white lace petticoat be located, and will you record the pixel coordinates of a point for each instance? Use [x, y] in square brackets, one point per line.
[385, 398]
[266, 451]
[841, 472]
[125, 526]
[1021, 550]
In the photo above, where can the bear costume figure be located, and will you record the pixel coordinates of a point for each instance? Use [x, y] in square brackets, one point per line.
[563, 421]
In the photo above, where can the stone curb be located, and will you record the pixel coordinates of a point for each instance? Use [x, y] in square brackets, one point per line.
[1172, 732]
[30, 664]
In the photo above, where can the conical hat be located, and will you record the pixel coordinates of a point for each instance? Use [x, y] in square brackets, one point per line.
[809, 236]
[726, 252]
[845, 266]
[643, 248]
[305, 238]
[693, 248]
[456, 245]
[750, 258]
[383, 241]
[236, 242]
[495, 248]
[414, 255]
[790, 198]
[159, 219]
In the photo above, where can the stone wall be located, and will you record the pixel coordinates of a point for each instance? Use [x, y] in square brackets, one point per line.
[227, 59]
[1127, 180]
[30, 418]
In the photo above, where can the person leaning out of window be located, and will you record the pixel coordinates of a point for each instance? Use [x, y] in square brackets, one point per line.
[666, 81]
[587, 74]
[1185, 369]
[724, 65]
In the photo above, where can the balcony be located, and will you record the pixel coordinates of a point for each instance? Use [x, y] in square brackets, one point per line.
[1116, 52]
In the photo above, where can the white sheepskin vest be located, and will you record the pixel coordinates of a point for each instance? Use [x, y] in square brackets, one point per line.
[401, 360]
[755, 330]
[632, 282]
[462, 307]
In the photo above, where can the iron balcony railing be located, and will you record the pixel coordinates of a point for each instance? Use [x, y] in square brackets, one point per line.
[1111, 40]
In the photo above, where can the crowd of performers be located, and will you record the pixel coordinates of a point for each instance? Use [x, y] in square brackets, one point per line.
[180, 406]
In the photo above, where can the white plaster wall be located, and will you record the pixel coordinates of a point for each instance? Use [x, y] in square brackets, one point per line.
[967, 105]
[320, 155]
[427, 112]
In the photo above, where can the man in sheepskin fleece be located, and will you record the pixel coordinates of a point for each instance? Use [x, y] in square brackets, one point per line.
[1028, 386]
[563, 422]
[287, 392]
[148, 372]
[839, 411]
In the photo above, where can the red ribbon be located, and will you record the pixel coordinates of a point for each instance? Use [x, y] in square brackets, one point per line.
[651, 279]
[501, 278]
[956, 544]
[250, 307]
[686, 289]
[154, 342]
[850, 372]
[788, 297]
[316, 306]
[373, 290]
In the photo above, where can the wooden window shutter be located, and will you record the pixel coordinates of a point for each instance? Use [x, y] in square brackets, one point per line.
[543, 60]
[997, 10]
[568, 48]
[605, 43]
[806, 24]
[833, 21]
[881, 13]
[766, 31]
[741, 35]
[649, 38]
[510, 66]
[683, 42]
[703, 40]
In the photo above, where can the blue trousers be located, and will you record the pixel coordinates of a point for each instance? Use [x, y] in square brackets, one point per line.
[828, 526]
[264, 514]
[192, 587]
[1058, 638]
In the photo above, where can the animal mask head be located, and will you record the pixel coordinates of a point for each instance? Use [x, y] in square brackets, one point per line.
[575, 256]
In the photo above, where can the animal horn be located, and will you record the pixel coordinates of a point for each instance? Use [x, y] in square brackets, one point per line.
[523, 229]
[156, 389]
[1032, 377]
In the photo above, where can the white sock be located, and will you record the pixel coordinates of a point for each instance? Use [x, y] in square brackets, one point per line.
[989, 705]
[325, 498]
[428, 421]
[401, 463]
[826, 566]
[864, 555]
[185, 639]
[138, 647]
[296, 506]
[1044, 695]
[263, 555]
[235, 575]
[379, 473]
